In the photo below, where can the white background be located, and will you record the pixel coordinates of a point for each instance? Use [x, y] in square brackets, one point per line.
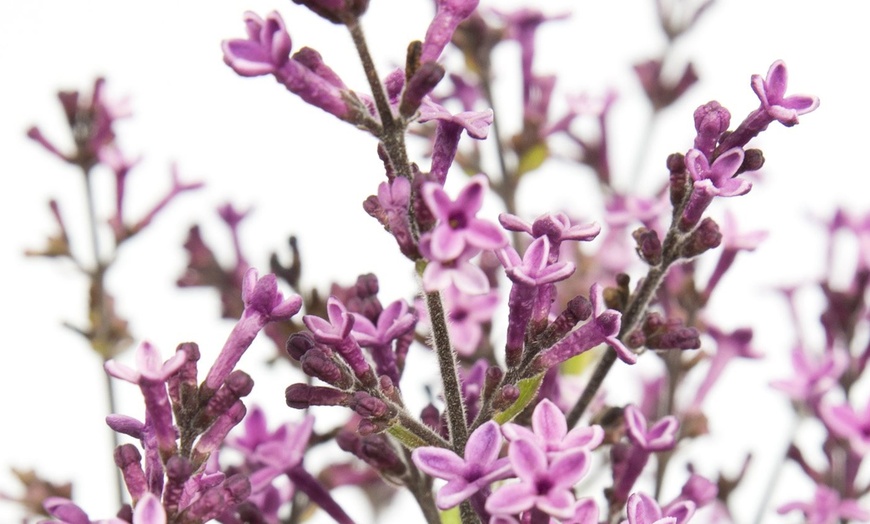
[306, 173]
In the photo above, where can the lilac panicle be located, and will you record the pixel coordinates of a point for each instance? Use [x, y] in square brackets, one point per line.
[449, 14]
[550, 432]
[263, 304]
[544, 485]
[465, 476]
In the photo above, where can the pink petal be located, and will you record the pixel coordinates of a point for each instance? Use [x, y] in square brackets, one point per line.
[558, 503]
[484, 444]
[247, 58]
[569, 467]
[527, 459]
[549, 423]
[511, 499]
[149, 510]
[438, 462]
[454, 492]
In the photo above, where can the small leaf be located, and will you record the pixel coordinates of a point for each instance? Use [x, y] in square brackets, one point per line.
[451, 516]
[580, 363]
[405, 436]
[528, 389]
[533, 158]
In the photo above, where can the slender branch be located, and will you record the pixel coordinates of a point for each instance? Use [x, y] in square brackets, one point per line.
[421, 489]
[447, 366]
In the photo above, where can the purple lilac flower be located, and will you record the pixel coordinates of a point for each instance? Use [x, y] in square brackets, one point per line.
[544, 485]
[458, 272]
[643, 509]
[660, 437]
[774, 106]
[263, 304]
[812, 375]
[718, 179]
[151, 375]
[534, 269]
[550, 432]
[556, 227]
[450, 126]
[827, 508]
[465, 476]
[266, 51]
[449, 14]
[336, 333]
[466, 315]
[393, 322]
[458, 227]
[846, 422]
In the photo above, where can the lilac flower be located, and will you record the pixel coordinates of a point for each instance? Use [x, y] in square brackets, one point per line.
[827, 508]
[449, 14]
[465, 316]
[465, 476]
[550, 432]
[771, 92]
[458, 272]
[263, 304]
[846, 422]
[393, 322]
[660, 437]
[266, 51]
[151, 375]
[277, 455]
[543, 485]
[450, 126]
[458, 227]
[812, 375]
[643, 509]
[713, 180]
[556, 227]
[336, 332]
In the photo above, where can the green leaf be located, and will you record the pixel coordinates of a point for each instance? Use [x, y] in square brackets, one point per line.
[580, 363]
[405, 436]
[451, 516]
[533, 158]
[528, 389]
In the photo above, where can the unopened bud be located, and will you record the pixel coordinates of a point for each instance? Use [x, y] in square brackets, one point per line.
[336, 11]
[649, 247]
[505, 397]
[368, 406]
[319, 364]
[303, 396]
[419, 85]
[705, 237]
[753, 160]
[298, 344]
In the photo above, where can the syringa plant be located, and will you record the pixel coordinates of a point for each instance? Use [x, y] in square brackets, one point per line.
[525, 315]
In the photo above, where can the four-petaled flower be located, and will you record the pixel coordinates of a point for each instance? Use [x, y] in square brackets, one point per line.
[465, 476]
[661, 436]
[550, 432]
[643, 509]
[771, 92]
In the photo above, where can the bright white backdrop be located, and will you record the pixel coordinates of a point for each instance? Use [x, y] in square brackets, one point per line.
[306, 173]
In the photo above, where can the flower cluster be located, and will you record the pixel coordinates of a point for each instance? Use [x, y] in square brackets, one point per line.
[521, 424]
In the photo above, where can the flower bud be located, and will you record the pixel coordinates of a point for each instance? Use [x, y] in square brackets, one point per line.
[298, 344]
[303, 396]
[320, 364]
[753, 160]
[649, 247]
[419, 85]
[706, 236]
[505, 397]
[336, 11]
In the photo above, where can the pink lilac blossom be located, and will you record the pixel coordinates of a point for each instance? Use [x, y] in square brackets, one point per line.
[550, 432]
[643, 509]
[465, 476]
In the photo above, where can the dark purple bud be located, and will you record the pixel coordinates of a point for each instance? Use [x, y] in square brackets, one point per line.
[320, 364]
[303, 396]
[420, 84]
[178, 470]
[298, 344]
[128, 459]
[753, 160]
[368, 427]
[674, 336]
[238, 384]
[336, 11]
[368, 406]
[377, 452]
[491, 380]
[182, 385]
[412, 59]
[635, 339]
[505, 397]
[312, 60]
[649, 246]
[706, 236]
[711, 120]
[430, 416]
[679, 181]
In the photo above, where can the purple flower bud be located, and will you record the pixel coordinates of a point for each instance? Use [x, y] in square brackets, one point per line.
[711, 120]
[178, 470]
[129, 461]
[705, 237]
[303, 396]
[649, 246]
[299, 343]
[448, 16]
[368, 406]
[421, 83]
[505, 396]
[214, 436]
[336, 11]
[317, 363]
